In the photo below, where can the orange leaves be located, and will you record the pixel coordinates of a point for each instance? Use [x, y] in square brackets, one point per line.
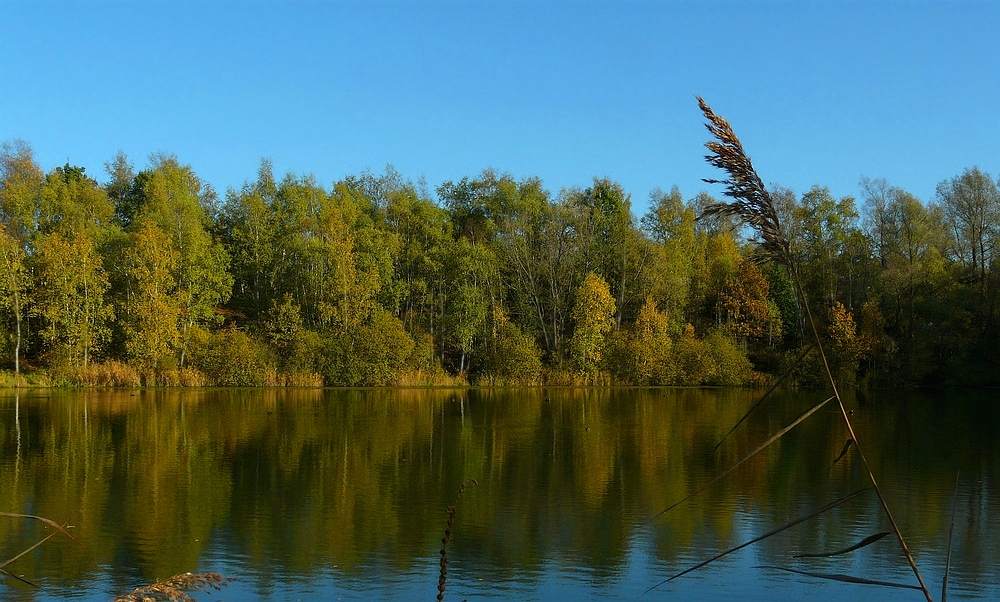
[746, 306]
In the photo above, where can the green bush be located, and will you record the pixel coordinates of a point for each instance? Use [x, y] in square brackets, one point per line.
[732, 366]
[230, 358]
[376, 355]
[693, 360]
[514, 358]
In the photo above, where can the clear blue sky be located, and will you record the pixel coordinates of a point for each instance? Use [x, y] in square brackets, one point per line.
[819, 92]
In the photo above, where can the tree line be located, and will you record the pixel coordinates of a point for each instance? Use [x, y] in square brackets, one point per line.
[149, 277]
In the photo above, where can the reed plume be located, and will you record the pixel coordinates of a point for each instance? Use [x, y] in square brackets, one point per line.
[752, 205]
[173, 589]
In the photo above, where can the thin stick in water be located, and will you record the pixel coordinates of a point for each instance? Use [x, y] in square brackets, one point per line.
[951, 531]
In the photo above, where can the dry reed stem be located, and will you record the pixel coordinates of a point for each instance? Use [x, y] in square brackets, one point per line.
[770, 533]
[754, 207]
[771, 389]
[857, 445]
[753, 453]
[443, 576]
[57, 530]
[864, 542]
[839, 577]
[951, 531]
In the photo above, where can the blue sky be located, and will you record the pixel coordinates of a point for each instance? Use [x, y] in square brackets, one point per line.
[819, 92]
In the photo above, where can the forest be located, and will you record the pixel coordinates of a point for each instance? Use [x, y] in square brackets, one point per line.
[149, 277]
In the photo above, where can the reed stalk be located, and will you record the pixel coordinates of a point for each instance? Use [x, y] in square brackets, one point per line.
[752, 205]
[57, 529]
[452, 511]
[770, 533]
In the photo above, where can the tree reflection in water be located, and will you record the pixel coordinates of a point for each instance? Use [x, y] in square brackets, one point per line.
[345, 491]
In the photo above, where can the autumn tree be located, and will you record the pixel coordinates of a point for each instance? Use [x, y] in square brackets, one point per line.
[593, 317]
[748, 310]
[641, 354]
[845, 349]
[150, 313]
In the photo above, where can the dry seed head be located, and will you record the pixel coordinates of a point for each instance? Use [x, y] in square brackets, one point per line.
[751, 204]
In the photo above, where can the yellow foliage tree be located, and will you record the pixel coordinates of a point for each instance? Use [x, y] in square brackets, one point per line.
[594, 315]
[70, 297]
[845, 347]
[150, 313]
[641, 355]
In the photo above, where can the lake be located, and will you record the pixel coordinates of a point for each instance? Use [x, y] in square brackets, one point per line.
[343, 494]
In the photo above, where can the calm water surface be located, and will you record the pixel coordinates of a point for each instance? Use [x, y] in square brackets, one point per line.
[325, 495]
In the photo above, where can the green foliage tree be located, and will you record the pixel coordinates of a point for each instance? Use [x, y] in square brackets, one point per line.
[176, 201]
[14, 287]
[693, 359]
[827, 229]
[610, 243]
[232, 358]
[298, 348]
[70, 297]
[374, 355]
[372, 277]
[911, 241]
[20, 188]
[670, 225]
[125, 189]
[71, 202]
[732, 368]
[467, 312]
[971, 205]
[251, 222]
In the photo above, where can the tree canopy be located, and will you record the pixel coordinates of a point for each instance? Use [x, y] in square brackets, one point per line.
[373, 280]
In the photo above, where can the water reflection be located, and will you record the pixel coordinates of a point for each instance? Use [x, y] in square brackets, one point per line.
[318, 494]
